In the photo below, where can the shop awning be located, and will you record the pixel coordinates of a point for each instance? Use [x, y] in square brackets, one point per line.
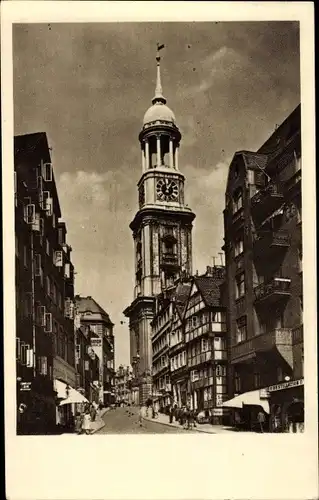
[74, 397]
[251, 398]
[68, 394]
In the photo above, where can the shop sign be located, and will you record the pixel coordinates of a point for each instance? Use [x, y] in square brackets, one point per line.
[217, 412]
[96, 342]
[286, 385]
[25, 386]
[264, 393]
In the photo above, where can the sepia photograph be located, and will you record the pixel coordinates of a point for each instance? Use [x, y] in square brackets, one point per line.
[158, 230]
[158, 227]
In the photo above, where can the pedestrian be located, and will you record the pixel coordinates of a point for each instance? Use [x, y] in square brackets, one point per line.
[185, 418]
[78, 423]
[190, 419]
[261, 420]
[93, 413]
[171, 412]
[86, 423]
[140, 416]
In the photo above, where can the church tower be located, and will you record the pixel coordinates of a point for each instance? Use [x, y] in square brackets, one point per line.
[162, 229]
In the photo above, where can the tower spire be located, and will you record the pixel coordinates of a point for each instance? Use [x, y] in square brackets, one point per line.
[158, 89]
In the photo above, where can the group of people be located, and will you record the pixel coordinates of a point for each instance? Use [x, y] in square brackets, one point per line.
[84, 419]
[184, 415]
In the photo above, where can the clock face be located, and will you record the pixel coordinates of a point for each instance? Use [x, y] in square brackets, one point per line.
[166, 190]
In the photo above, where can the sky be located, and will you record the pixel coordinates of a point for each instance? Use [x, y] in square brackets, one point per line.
[88, 86]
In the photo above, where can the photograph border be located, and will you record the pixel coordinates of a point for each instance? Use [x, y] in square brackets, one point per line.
[146, 467]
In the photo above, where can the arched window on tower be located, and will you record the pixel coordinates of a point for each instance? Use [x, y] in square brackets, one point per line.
[169, 242]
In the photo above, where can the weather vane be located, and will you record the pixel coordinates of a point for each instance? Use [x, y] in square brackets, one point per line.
[159, 47]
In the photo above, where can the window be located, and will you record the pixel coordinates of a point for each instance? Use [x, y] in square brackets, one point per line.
[194, 320]
[55, 337]
[61, 236]
[25, 256]
[204, 345]
[54, 293]
[30, 213]
[41, 230]
[48, 323]
[280, 374]
[237, 201]
[48, 285]
[194, 375]
[220, 371]
[257, 383]
[17, 245]
[237, 382]
[47, 246]
[37, 264]
[239, 247]
[240, 286]
[241, 333]
[47, 172]
[42, 365]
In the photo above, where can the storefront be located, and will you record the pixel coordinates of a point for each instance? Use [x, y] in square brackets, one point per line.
[68, 402]
[287, 406]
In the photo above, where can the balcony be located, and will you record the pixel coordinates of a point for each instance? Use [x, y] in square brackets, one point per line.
[238, 218]
[275, 290]
[279, 339]
[169, 260]
[269, 243]
[297, 335]
[266, 201]
[293, 185]
[240, 306]
[203, 382]
[200, 358]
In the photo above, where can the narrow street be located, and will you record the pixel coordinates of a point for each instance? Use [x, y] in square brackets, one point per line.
[125, 421]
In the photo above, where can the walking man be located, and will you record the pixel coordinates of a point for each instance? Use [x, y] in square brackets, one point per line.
[140, 416]
[261, 419]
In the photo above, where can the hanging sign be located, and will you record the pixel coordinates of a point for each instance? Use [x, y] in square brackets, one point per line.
[286, 385]
[25, 386]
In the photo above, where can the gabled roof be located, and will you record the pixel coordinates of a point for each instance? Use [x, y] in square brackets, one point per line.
[29, 150]
[209, 287]
[88, 304]
[29, 145]
[254, 160]
[181, 297]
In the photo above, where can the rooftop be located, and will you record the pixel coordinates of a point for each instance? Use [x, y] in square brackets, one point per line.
[89, 305]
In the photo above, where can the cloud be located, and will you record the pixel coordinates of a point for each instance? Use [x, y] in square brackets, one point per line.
[206, 199]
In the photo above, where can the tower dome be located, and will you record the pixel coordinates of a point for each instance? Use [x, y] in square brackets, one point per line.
[159, 111]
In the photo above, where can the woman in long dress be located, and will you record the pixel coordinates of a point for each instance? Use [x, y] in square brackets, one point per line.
[86, 424]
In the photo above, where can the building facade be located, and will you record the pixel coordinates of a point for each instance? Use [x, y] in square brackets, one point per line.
[44, 285]
[161, 331]
[162, 229]
[206, 343]
[97, 323]
[123, 377]
[263, 248]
